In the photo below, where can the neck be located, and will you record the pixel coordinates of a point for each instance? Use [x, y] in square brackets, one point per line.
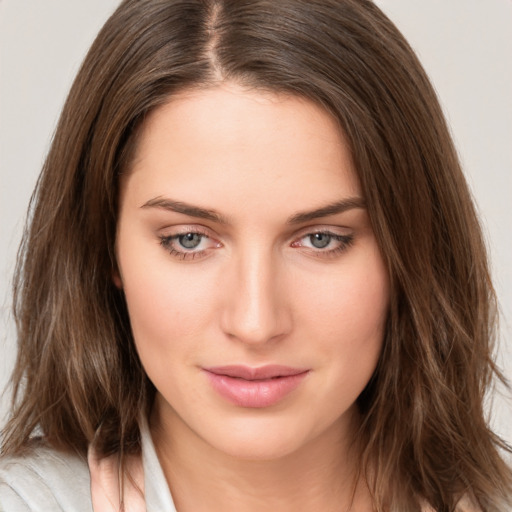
[322, 475]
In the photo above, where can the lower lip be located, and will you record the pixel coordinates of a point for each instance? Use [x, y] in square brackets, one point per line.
[255, 393]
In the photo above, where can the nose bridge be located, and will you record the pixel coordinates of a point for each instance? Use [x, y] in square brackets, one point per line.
[254, 313]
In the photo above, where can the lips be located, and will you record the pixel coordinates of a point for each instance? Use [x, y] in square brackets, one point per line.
[264, 386]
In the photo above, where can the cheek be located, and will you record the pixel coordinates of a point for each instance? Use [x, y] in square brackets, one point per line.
[167, 320]
[167, 306]
[347, 318]
[351, 304]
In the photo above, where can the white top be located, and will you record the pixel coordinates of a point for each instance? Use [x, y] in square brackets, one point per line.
[50, 480]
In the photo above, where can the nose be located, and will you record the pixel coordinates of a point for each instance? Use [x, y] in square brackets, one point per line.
[255, 308]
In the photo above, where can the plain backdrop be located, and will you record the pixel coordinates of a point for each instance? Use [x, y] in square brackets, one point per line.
[465, 46]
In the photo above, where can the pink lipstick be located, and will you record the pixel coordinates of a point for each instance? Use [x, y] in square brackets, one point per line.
[255, 387]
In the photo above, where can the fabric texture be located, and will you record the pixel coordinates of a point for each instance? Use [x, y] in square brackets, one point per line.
[51, 481]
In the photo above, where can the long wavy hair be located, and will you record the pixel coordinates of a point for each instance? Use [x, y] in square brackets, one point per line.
[78, 377]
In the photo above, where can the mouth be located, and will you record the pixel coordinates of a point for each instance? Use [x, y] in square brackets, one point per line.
[250, 387]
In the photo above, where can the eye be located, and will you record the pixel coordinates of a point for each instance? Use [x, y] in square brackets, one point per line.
[320, 240]
[190, 240]
[188, 244]
[324, 243]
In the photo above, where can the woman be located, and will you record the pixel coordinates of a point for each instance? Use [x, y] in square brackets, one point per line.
[253, 277]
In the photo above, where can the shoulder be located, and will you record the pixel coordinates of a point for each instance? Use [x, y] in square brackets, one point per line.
[465, 504]
[45, 480]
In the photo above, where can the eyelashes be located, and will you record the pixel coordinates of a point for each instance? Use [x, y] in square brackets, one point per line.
[324, 243]
[194, 244]
[188, 245]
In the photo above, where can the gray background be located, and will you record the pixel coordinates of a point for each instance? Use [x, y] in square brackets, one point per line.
[465, 46]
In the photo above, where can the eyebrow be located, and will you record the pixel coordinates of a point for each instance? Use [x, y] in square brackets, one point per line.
[330, 209]
[186, 209]
[298, 218]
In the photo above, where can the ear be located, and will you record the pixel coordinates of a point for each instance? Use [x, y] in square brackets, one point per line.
[116, 278]
[117, 281]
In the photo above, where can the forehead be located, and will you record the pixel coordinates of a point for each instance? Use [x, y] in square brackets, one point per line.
[229, 142]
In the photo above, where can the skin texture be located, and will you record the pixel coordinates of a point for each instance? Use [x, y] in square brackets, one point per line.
[255, 291]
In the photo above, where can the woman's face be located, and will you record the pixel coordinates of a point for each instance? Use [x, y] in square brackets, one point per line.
[256, 291]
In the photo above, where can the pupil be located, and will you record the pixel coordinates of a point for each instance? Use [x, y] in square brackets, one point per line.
[190, 240]
[320, 240]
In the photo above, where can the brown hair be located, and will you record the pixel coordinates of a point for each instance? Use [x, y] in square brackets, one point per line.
[78, 376]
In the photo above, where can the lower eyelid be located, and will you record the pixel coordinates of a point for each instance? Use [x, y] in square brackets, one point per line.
[183, 256]
[335, 236]
[344, 243]
[168, 241]
[170, 244]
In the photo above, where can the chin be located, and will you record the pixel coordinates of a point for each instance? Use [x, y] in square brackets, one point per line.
[262, 447]
[271, 436]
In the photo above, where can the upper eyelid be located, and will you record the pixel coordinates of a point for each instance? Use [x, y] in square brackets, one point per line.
[331, 230]
[184, 229]
[323, 229]
[328, 233]
[177, 230]
[166, 240]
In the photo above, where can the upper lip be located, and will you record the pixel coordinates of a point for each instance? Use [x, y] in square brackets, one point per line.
[249, 373]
